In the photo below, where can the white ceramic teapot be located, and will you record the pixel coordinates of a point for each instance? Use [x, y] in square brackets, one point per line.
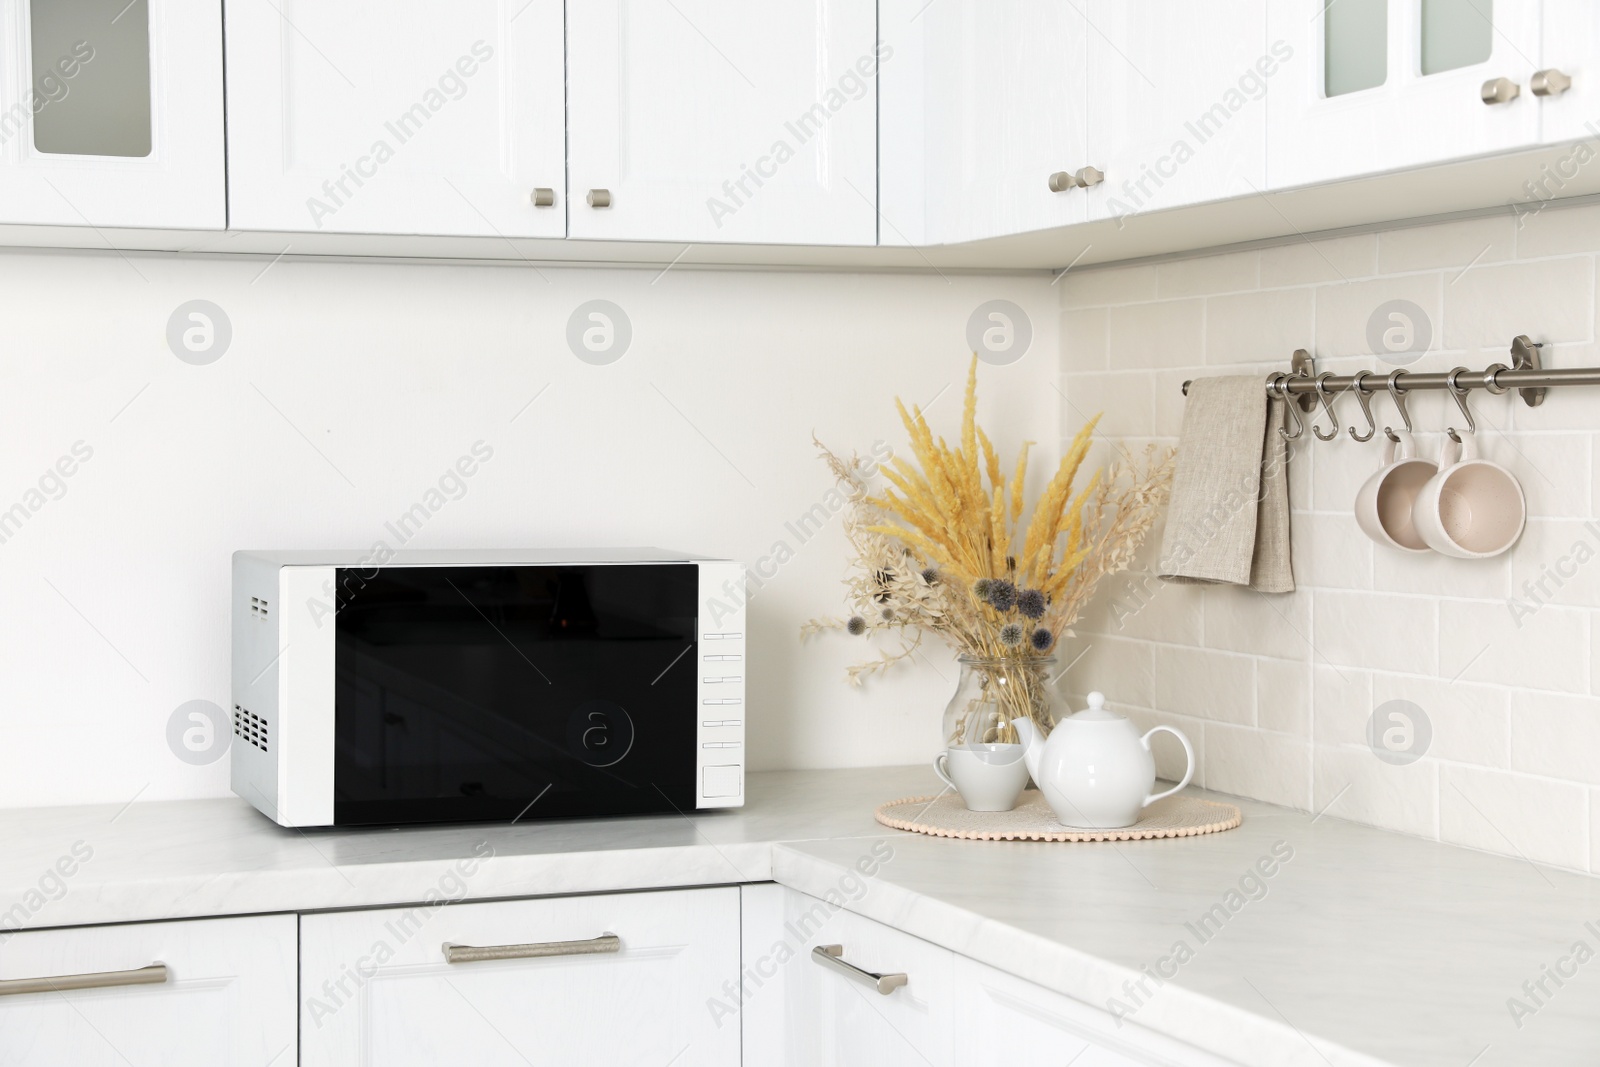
[1095, 769]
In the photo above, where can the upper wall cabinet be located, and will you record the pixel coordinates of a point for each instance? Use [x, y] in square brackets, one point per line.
[1382, 85]
[1569, 48]
[983, 119]
[1176, 107]
[418, 117]
[111, 113]
[723, 121]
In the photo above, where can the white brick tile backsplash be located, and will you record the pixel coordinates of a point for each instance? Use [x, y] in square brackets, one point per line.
[1213, 274]
[1556, 736]
[1244, 327]
[1485, 642]
[1469, 723]
[1539, 819]
[1501, 667]
[1351, 783]
[1448, 245]
[1307, 262]
[1253, 763]
[1346, 311]
[1204, 684]
[1166, 334]
[1083, 339]
[1375, 630]
[1489, 305]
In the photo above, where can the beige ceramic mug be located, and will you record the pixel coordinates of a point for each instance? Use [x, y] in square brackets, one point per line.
[1385, 504]
[1472, 508]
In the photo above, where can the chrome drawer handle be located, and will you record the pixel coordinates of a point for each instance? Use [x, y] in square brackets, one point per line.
[536, 950]
[831, 956]
[155, 974]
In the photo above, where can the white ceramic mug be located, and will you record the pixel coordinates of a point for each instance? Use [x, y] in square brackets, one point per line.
[1472, 508]
[988, 777]
[1385, 505]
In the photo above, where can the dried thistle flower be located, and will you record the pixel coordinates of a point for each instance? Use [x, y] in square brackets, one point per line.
[1042, 640]
[1011, 634]
[1031, 603]
[887, 614]
[930, 575]
[981, 587]
[1002, 595]
[856, 626]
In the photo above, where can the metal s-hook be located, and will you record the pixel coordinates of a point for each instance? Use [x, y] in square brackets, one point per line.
[1278, 381]
[1399, 396]
[1364, 398]
[1460, 393]
[1327, 405]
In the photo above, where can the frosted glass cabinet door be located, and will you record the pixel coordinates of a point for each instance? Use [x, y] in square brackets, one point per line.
[1176, 102]
[227, 998]
[377, 988]
[111, 113]
[983, 101]
[409, 117]
[1328, 120]
[723, 121]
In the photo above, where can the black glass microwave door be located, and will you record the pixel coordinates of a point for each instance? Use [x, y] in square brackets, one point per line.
[499, 693]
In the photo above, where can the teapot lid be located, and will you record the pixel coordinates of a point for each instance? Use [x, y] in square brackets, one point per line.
[1097, 710]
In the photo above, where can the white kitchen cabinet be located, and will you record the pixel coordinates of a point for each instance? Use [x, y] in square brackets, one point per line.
[1383, 85]
[800, 1012]
[111, 113]
[210, 992]
[1570, 46]
[1176, 103]
[723, 121]
[418, 117]
[377, 987]
[982, 104]
[1007, 1020]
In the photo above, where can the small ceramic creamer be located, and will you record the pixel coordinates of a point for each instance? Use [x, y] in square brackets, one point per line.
[1095, 769]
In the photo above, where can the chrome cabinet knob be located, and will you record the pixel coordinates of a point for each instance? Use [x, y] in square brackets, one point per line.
[1549, 82]
[544, 197]
[1088, 177]
[1500, 91]
[599, 198]
[1061, 181]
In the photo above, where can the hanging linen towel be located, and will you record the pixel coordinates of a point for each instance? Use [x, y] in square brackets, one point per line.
[1228, 519]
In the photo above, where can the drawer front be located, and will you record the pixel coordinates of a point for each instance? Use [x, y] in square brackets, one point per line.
[226, 996]
[376, 987]
[802, 1011]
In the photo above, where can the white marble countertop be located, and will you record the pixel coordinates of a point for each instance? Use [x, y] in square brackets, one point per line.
[1360, 947]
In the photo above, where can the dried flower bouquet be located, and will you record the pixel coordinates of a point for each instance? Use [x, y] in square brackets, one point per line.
[950, 549]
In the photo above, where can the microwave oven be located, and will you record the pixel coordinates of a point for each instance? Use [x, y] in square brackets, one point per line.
[489, 686]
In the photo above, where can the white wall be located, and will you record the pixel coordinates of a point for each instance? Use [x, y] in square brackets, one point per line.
[1278, 691]
[346, 392]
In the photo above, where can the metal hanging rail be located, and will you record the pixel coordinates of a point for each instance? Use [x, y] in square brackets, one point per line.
[1526, 374]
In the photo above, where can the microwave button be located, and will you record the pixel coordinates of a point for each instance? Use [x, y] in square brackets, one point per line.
[723, 637]
[723, 659]
[722, 781]
[721, 700]
[718, 680]
[720, 744]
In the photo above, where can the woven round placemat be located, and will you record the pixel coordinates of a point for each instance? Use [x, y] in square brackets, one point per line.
[1032, 820]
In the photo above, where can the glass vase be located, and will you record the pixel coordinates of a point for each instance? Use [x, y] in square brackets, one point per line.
[992, 692]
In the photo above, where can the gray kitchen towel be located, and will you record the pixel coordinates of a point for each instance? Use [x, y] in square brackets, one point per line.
[1228, 519]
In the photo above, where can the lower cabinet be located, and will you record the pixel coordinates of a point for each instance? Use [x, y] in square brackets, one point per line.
[625, 978]
[203, 992]
[852, 1008]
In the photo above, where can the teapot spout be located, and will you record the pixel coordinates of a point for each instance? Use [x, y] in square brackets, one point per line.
[1028, 734]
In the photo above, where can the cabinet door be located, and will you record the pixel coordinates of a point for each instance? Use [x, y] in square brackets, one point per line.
[377, 987]
[1571, 45]
[226, 995]
[986, 102]
[111, 113]
[800, 1012]
[1011, 1021]
[1177, 108]
[1381, 85]
[723, 121]
[414, 117]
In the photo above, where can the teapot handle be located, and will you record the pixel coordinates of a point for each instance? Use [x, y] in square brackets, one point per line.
[1188, 771]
